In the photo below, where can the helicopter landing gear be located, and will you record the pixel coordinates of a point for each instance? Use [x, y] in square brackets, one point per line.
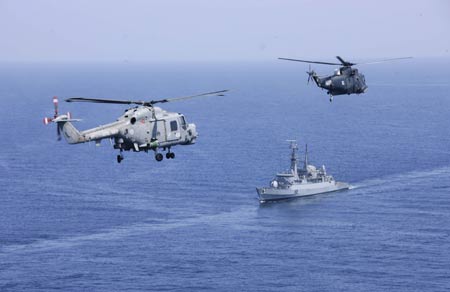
[158, 156]
[331, 98]
[120, 157]
[170, 154]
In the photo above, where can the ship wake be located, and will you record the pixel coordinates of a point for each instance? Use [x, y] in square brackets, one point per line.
[402, 180]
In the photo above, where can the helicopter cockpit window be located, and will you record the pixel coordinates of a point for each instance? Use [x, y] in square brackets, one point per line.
[173, 126]
[183, 122]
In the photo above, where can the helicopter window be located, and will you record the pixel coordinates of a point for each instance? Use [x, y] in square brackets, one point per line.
[173, 126]
[133, 120]
[183, 122]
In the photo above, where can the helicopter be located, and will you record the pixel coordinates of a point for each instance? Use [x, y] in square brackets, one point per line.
[345, 80]
[141, 128]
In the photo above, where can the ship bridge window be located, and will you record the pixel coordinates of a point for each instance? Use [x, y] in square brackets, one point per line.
[173, 126]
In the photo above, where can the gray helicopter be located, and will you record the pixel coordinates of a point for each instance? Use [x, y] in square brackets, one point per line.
[141, 128]
[345, 80]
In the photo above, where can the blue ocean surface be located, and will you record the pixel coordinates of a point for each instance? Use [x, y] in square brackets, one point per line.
[73, 219]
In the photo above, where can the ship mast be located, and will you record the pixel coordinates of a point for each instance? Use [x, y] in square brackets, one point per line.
[305, 166]
[294, 148]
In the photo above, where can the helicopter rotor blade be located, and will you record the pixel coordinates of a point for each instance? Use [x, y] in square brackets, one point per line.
[384, 60]
[311, 62]
[344, 63]
[55, 105]
[144, 103]
[100, 100]
[214, 93]
[58, 133]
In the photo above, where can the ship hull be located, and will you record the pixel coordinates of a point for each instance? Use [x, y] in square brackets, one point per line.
[277, 194]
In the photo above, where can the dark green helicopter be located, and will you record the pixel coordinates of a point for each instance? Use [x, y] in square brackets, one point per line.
[345, 80]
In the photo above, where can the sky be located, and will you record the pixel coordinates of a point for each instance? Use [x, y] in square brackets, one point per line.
[220, 30]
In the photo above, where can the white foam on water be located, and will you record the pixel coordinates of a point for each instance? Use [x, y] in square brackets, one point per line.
[402, 178]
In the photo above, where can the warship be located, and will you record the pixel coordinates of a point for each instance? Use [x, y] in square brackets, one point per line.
[300, 182]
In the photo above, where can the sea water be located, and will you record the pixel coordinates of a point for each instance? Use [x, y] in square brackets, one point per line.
[73, 219]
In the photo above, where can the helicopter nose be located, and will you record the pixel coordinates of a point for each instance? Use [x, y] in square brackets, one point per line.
[192, 132]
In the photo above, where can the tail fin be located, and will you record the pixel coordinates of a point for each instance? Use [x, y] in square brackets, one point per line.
[70, 133]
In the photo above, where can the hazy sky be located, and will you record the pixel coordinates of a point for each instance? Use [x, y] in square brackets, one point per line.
[205, 30]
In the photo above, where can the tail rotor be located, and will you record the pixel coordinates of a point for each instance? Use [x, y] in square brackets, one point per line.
[55, 104]
[50, 120]
[57, 118]
[311, 73]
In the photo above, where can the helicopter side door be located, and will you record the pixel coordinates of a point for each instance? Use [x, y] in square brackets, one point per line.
[173, 130]
[350, 84]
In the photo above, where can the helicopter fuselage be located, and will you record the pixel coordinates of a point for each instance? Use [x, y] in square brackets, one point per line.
[346, 80]
[140, 128]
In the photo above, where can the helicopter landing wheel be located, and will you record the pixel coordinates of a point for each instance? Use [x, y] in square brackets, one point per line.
[170, 155]
[119, 158]
[331, 98]
[159, 157]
